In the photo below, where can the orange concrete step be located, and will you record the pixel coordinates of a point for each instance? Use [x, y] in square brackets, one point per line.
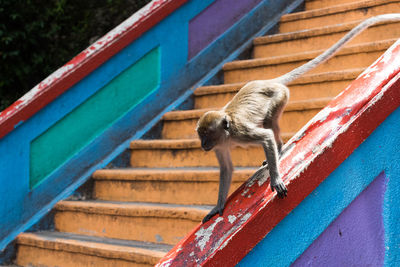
[321, 38]
[148, 222]
[174, 186]
[63, 249]
[309, 86]
[188, 153]
[316, 4]
[355, 56]
[182, 124]
[337, 14]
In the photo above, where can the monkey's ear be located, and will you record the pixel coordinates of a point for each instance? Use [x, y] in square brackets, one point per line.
[225, 123]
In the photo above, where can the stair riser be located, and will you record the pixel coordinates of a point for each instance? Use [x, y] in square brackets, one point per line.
[380, 32]
[325, 3]
[173, 192]
[331, 19]
[148, 229]
[175, 129]
[339, 62]
[195, 157]
[297, 92]
[291, 121]
[35, 256]
[318, 90]
[213, 101]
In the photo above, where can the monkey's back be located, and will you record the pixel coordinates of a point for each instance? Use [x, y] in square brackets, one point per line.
[257, 101]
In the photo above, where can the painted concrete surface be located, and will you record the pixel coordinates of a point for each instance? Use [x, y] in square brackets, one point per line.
[74, 84]
[73, 132]
[209, 24]
[85, 62]
[304, 224]
[356, 237]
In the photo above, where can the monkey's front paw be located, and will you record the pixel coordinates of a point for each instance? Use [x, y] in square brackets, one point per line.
[280, 188]
[214, 211]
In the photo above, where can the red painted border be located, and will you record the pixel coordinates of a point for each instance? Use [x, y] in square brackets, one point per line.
[318, 149]
[85, 62]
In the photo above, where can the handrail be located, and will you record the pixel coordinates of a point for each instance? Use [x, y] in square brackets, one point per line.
[252, 211]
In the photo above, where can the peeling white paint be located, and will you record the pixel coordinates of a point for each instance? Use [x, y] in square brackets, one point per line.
[245, 191]
[388, 55]
[231, 218]
[203, 234]
[299, 157]
[369, 72]
[324, 113]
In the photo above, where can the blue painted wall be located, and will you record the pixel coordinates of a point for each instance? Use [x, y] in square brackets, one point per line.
[379, 153]
[22, 206]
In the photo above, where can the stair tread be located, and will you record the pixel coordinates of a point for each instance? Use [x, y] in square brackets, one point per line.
[333, 9]
[185, 114]
[307, 33]
[165, 144]
[291, 106]
[135, 209]
[178, 143]
[143, 252]
[168, 174]
[307, 78]
[311, 7]
[357, 48]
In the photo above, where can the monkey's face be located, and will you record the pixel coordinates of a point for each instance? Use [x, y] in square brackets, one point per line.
[208, 139]
[211, 129]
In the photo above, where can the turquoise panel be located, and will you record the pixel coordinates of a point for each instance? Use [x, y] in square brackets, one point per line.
[73, 132]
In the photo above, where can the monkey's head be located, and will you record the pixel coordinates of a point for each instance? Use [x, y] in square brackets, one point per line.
[213, 129]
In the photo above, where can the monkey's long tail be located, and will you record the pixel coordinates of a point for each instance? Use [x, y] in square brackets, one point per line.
[297, 72]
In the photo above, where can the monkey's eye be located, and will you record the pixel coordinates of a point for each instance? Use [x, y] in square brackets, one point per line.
[201, 132]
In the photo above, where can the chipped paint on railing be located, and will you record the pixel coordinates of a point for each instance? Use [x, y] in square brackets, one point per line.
[203, 235]
[327, 139]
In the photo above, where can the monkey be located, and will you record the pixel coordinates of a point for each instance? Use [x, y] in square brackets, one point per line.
[252, 117]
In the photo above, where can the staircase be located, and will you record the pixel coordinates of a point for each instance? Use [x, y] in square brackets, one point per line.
[137, 214]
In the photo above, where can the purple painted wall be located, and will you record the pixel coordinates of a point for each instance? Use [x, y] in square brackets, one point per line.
[208, 25]
[356, 237]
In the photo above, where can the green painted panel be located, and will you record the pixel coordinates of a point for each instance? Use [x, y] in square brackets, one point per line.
[77, 129]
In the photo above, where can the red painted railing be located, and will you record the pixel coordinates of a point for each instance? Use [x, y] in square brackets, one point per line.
[319, 148]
